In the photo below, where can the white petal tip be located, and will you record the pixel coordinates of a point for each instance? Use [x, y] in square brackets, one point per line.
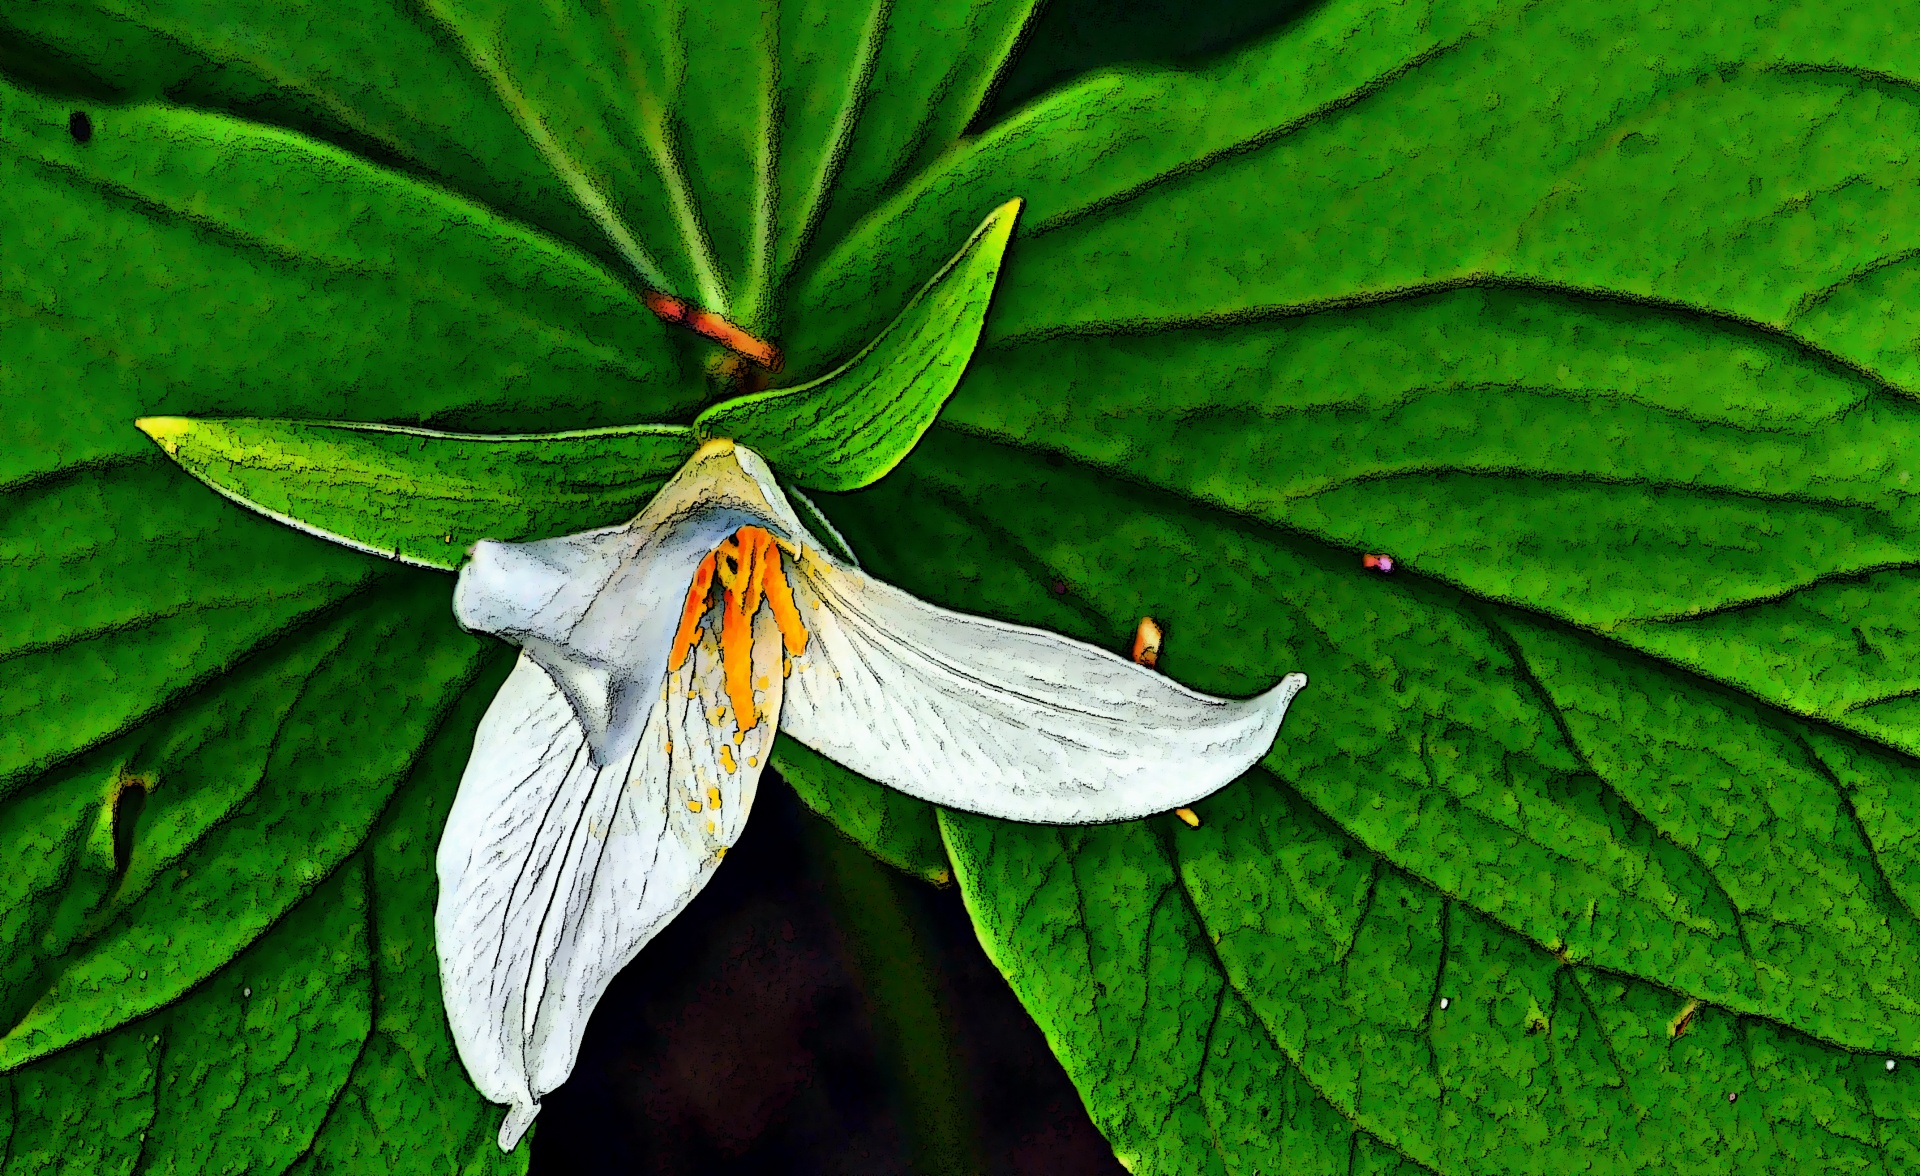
[519, 1118]
[1289, 686]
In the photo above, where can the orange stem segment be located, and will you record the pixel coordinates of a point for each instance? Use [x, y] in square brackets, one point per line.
[709, 325]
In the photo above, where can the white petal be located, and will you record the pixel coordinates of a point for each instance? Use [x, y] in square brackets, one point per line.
[1002, 719]
[554, 872]
[598, 610]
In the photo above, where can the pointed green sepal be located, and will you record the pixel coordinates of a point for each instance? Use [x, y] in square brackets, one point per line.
[848, 428]
[419, 496]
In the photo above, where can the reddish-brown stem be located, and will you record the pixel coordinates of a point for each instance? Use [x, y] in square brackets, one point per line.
[710, 325]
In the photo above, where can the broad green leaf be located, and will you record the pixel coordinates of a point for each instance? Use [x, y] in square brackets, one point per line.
[267, 692]
[1086, 151]
[236, 1078]
[848, 428]
[1574, 348]
[248, 807]
[896, 828]
[1591, 314]
[1435, 743]
[420, 496]
[701, 148]
[1103, 947]
[319, 1048]
[1274, 935]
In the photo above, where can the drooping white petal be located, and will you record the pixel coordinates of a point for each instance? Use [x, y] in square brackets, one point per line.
[1005, 720]
[555, 871]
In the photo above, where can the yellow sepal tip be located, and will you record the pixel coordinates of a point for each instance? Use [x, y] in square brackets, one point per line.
[165, 431]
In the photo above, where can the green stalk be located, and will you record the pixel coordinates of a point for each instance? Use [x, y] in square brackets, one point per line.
[890, 944]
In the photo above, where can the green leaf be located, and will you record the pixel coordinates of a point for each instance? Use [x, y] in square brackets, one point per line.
[1596, 318]
[265, 693]
[894, 827]
[320, 1046]
[419, 496]
[702, 149]
[848, 428]
[1426, 754]
[1626, 394]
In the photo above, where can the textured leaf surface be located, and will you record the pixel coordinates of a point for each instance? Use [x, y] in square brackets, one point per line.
[1615, 341]
[849, 427]
[1595, 316]
[319, 1047]
[419, 495]
[1108, 934]
[264, 694]
[701, 147]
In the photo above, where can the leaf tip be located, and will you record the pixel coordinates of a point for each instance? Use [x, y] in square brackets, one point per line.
[1000, 221]
[165, 431]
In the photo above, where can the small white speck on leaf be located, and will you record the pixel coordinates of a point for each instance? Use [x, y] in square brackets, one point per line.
[1890, 1065]
[1732, 1095]
[143, 973]
[246, 992]
[1444, 1002]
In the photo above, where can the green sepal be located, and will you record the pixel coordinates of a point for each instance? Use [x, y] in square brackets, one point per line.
[424, 497]
[848, 428]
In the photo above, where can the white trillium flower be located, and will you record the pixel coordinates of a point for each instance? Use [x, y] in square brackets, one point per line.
[618, 762]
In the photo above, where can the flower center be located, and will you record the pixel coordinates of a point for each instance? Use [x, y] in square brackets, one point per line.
[747, 566]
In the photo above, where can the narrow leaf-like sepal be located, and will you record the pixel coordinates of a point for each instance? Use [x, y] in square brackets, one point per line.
[419, 496]
[847, 429]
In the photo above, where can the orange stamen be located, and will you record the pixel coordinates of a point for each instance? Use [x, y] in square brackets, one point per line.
[780, 600]
[736, 657]
[758, 543]
[690, 614]
[747, 568]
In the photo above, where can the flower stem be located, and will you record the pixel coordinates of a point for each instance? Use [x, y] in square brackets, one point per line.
[892, 948]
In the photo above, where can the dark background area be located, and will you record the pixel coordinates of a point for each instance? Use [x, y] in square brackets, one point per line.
[743, 1039]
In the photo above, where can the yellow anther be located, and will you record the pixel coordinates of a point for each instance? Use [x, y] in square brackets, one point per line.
[721, 852]
[753, 761]
[726, 757]
[693, 806]
[713, 798]
[1146, 642]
